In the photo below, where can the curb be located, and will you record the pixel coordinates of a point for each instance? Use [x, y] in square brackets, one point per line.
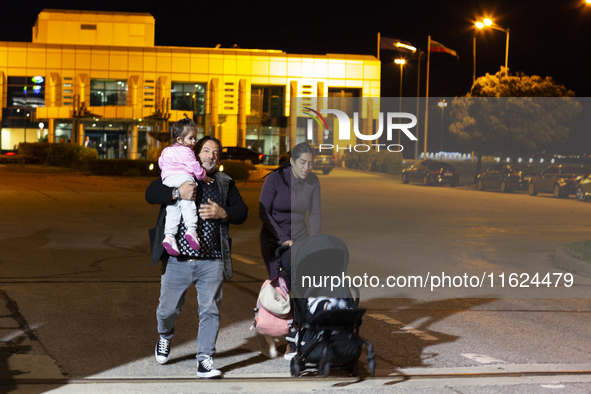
[569, 263]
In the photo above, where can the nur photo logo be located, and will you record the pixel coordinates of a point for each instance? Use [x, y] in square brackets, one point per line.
[393, 123]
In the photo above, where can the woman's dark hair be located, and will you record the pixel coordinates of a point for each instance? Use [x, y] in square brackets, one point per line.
[202, 141]
[296, 152]
[181, 128]
[300, 149]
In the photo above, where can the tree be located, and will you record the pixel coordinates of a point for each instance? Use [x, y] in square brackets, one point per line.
[513, 114]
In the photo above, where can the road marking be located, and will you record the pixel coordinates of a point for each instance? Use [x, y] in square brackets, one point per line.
[18, 333]
[552, 386]
[244, 259]
[483, 359]
[405, 329]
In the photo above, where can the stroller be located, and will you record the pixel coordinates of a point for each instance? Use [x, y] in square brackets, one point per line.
[325, 336]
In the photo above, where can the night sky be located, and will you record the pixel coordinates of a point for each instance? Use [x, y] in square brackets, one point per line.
[548, 38]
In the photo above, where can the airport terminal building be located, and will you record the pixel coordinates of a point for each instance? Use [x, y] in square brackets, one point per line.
[99, 75]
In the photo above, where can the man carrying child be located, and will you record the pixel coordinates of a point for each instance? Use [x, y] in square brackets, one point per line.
[220, 204]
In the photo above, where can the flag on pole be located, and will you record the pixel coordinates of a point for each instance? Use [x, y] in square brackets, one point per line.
[437, 47]
[395, 44]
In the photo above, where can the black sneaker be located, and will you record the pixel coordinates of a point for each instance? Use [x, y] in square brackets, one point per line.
[205, 369]
[162, 350]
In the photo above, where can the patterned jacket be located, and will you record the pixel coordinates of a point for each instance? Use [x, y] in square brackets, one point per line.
[231, 202]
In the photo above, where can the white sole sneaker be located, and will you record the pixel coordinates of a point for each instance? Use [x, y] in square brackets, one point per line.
[205, 369]
[215, 373]
[162, 358]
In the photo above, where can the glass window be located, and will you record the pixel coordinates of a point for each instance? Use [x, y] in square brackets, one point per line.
[266, 125]
[105, 92]
[188, 97]
[25, 92]
[436, 166]
[266, 103]
[23, 96]
[550, 171]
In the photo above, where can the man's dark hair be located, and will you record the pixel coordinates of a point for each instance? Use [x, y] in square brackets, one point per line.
[202, 141]
[181, 128]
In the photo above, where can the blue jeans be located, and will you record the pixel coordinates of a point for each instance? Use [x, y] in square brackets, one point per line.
[207, 275]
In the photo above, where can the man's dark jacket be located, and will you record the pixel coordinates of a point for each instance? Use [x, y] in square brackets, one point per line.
[231, 202]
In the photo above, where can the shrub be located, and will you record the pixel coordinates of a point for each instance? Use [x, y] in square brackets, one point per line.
[16, 159]
[58, 155]
[237, 170]
[124, 167]
[377, 162]
[364, 161]
[392, 163]
[351, 161]
[382, 161]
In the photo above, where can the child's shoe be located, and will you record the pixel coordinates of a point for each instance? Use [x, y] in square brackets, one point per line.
[192, 239]
[169, 244]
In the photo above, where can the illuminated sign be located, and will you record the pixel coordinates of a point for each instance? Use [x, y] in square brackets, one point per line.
[38, 79]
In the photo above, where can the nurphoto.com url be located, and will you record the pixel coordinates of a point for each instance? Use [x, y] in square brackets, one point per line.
[433, 282]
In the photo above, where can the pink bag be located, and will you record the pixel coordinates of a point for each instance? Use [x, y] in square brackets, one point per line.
[265, 321]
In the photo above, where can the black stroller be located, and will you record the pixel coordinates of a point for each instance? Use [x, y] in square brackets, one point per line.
[327, 336]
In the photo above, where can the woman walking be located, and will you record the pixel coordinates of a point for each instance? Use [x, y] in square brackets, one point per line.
[287, 195]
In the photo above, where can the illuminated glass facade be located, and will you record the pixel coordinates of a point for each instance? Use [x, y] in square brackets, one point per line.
[114, 75]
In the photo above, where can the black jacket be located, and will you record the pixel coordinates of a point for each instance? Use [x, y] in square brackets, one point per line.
[232, 203]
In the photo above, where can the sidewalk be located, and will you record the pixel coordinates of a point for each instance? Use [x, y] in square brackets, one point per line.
[567, 262]
[21, 354]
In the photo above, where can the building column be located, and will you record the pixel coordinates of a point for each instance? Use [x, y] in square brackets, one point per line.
[80, 133]
[214, 111]
[132, 148]
[50, 130]
[321, 100]
[293, 114]
[1, 95]
[241, 113]
[368, 128]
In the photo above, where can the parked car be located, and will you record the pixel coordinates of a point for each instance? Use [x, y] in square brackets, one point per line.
[431, 172]
[242, 154]
[324, 160]
[507, 177]
[583, 189]
[559, 180]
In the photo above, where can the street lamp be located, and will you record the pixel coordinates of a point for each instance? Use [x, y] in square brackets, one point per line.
[442, 104]
[401, 62]
[489, 23]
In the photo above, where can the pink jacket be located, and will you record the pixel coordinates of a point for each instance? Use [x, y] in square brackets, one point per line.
[179, 159]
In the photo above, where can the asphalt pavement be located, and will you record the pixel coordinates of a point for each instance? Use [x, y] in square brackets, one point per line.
[78, 298]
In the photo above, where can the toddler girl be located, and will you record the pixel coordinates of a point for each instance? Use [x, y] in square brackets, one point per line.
[179, 165]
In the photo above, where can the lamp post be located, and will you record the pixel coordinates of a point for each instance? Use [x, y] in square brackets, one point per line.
[474, 67]
[401, 62]
[442, 104]
[406, 47]
[489, 23]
